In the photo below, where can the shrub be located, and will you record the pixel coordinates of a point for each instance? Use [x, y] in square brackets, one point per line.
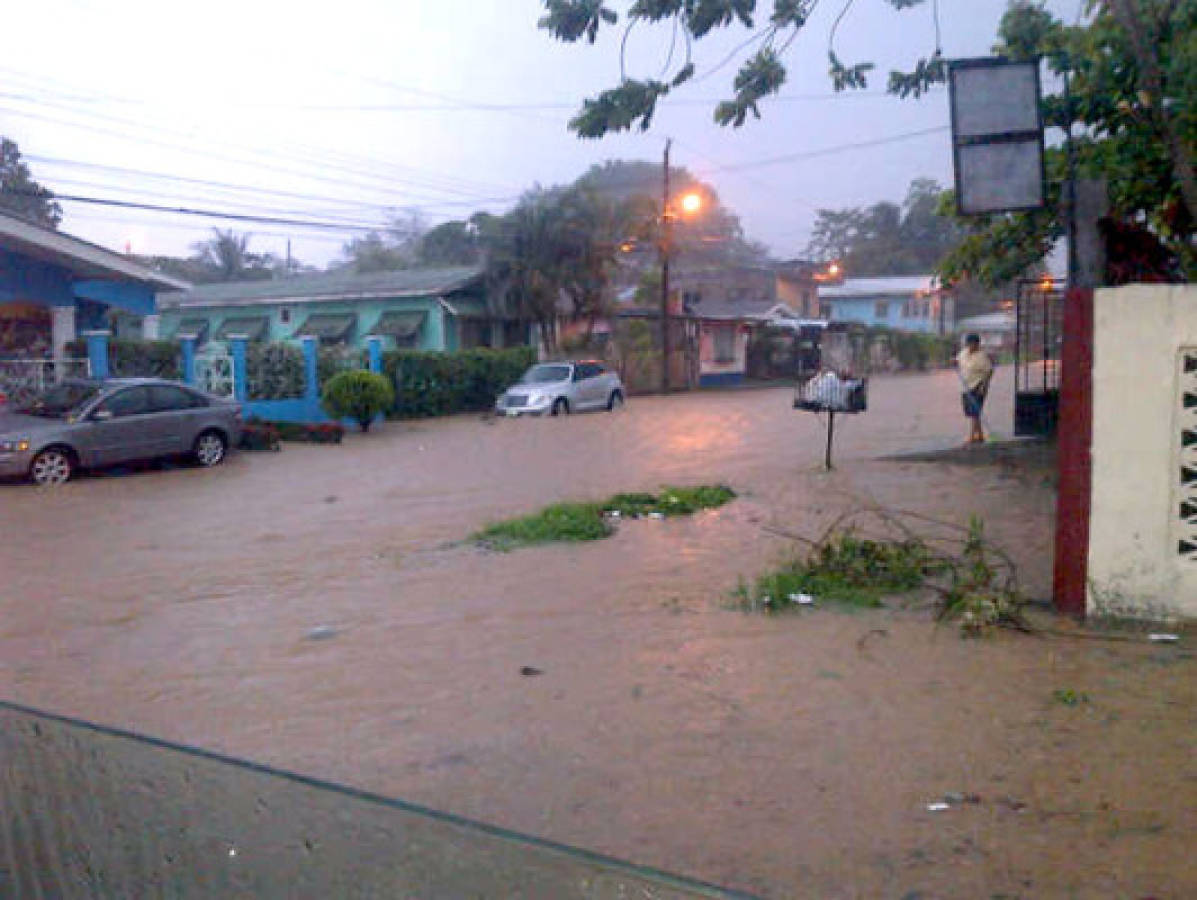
[129, 358]
[434, 383]
[259, 436]
[357, 395]
[275, 371]
[310, 432]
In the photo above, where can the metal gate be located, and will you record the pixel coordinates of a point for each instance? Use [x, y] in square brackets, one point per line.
[214, 371]
[21, 380]
[1038, 334]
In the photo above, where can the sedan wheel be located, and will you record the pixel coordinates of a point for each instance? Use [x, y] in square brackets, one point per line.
[50, 467]
[560, 405]
[209, 449]
[615, 401]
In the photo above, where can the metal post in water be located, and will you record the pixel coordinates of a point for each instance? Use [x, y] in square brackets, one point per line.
[830, 437]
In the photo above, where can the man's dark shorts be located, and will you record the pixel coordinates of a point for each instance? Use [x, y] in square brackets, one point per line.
[973, 402]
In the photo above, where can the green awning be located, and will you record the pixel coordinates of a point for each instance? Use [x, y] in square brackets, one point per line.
[192, 328]
[253, 327]
[399, 324]
[327, 326]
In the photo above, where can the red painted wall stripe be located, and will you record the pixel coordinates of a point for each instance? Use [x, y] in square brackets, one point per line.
[1073, 449]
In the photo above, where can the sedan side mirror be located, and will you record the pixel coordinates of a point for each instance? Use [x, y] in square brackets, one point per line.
[101, 415]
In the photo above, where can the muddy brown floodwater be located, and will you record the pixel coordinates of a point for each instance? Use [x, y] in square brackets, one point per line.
[776, 755]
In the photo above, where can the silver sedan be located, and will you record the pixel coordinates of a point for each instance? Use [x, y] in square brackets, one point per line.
[88, 424]
[562, 387]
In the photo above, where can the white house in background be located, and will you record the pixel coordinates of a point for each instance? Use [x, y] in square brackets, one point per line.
[996, 329]
[908, 303]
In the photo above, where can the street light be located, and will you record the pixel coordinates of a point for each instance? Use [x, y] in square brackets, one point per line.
[690, 203]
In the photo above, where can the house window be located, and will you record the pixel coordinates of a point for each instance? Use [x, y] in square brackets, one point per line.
[284, 316]
[881, 309]
[725, 344]
[825, 311]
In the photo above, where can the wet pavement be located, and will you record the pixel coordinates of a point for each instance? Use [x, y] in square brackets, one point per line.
[316, 610]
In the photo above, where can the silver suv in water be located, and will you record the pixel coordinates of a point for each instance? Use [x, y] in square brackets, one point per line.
[90, 423]
[562, 387]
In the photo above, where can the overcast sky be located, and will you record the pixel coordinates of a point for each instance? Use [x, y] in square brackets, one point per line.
[343, 111]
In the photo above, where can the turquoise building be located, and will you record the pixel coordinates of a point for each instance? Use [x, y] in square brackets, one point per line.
[423, 309]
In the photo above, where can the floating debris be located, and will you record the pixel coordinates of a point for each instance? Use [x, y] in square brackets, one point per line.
[322, 633]
[1163, 638]
[530, 671]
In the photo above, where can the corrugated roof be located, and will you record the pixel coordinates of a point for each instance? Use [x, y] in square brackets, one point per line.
[341, 285]
[900, 286]
[84, 259]
[739, 309]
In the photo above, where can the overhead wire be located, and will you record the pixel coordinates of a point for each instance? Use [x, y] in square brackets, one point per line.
[444, 183]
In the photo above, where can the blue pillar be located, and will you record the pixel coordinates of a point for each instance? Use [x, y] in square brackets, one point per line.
[188, 360]
[312, 389]
[97, 352]
[240, 371]
[374, 346]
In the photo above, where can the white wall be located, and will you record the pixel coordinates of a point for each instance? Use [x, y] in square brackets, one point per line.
[1135, 566]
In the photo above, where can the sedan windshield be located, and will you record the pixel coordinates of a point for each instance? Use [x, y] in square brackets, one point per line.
[57, 402]
[545, 374]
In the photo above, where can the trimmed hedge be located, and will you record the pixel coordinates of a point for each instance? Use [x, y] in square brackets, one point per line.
[129, 358]
[357, 395]
[275, 371]
[432, 383]
[332, 361]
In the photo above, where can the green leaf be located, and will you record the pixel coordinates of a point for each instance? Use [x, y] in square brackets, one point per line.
[571, 20]
[633, 103]
[848, 77]
[927, 72]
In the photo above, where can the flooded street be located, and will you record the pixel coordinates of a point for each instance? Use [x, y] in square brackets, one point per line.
[784, 756]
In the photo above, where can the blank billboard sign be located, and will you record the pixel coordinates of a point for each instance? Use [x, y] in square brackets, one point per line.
[997, 135]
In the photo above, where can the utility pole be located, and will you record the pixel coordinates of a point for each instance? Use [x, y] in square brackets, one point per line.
[666, 241]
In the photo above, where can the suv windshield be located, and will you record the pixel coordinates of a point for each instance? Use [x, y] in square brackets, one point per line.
[61, 399]
[545, 374]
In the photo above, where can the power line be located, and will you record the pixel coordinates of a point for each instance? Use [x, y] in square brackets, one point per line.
[829, 151]
[320, 158]
[226, 187]
[188, 211]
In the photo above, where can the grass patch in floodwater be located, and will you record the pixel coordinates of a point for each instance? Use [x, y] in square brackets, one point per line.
[846, 570]
[592, 521]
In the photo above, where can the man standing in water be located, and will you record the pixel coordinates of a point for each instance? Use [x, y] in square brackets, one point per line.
[975, 369]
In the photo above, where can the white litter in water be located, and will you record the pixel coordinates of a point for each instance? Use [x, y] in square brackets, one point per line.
[656, 515]
[1163, 638]
[802, 599]
[938, 807]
